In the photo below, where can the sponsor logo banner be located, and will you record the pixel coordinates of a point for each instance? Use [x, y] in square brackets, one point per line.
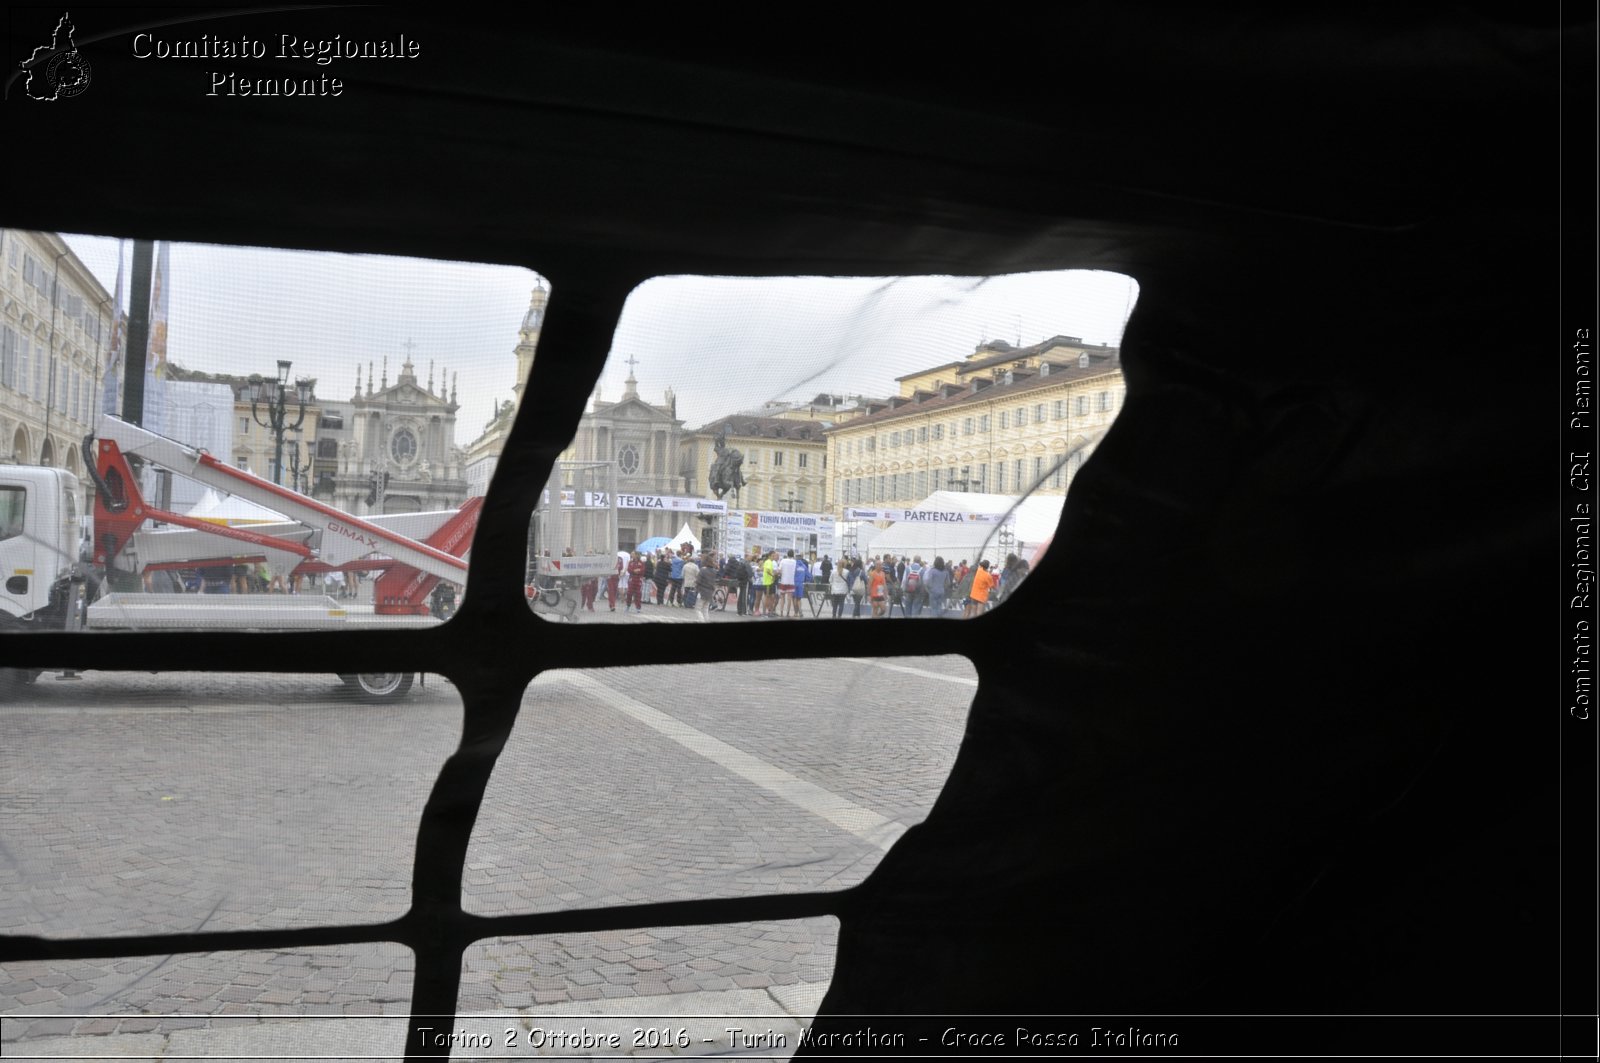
[788, 521]
[799, 531]
[587, 565]
[924, 516]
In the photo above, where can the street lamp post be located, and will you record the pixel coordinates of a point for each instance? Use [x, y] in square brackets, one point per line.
[273, 394]
[298, 474]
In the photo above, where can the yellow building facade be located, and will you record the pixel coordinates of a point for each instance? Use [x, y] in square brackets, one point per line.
[785, 462]
[1004, 420]
[55, 333]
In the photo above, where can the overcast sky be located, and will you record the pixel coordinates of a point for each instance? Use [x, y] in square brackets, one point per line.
[723, 344]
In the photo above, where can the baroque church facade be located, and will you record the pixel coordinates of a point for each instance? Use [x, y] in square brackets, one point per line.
[643, 439]
[396, 449]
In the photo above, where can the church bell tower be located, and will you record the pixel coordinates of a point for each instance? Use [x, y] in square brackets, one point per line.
[528, 337]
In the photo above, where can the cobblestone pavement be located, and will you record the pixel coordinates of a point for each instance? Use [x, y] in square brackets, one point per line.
[154, 804]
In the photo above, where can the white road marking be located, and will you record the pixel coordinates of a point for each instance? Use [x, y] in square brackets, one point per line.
[841, 812]
[908, 670]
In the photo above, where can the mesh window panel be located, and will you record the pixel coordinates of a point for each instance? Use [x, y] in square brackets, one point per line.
[717, 370]
[338, 1000]
[306, 449]
[639, 785]
[734, 988]
[139, 804]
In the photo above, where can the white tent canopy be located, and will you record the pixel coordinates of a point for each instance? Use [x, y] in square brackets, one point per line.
[685, 536]
[232, 509]
[1034, 520]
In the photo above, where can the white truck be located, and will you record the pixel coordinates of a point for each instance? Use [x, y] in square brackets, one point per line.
[53, 578]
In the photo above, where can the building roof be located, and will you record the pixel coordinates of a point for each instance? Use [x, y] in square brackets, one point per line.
[784, 428]
[981, 389]
[999, 352]
[1004, 352]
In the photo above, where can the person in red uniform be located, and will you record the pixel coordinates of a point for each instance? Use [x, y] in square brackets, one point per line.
[636, 574]
[611, 584]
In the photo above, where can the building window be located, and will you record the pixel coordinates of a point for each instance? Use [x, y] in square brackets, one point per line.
[777, 459]
[983, 423]
[1083, 405]
[894, 439]
[1016, 473]
[999, 476]
[1105, 401]
[1059, 409]
[13, 511]
[922, 434]
[1038, 414]
[1038, 470]
[1002, 420]
[801, 459]
[1055, 475]
[1083, 361]
[966, 427]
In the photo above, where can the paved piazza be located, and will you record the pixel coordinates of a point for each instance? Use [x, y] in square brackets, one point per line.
[136, 804]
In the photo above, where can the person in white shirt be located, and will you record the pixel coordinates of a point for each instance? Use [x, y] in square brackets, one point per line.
[838, 588]
[691, 581]
[786, 602]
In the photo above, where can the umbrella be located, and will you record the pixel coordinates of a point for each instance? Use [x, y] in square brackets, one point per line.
[654, 544]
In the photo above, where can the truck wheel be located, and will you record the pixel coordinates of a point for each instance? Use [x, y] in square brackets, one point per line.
[379, 686]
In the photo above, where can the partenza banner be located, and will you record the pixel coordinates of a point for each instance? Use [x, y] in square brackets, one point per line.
[924, 516]
[665, 503]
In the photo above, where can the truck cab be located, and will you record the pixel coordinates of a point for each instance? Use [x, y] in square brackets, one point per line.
[40, 533]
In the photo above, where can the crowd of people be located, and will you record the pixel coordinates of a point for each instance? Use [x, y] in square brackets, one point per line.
[256, 578]
[771, 584]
